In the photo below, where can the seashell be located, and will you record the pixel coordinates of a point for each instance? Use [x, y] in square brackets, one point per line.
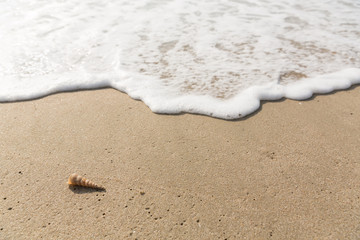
[77, 180]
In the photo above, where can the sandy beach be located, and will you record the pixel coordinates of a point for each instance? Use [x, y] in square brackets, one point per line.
[289, 171]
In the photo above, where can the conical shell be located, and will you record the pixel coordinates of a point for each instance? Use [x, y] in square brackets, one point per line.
[77, 180]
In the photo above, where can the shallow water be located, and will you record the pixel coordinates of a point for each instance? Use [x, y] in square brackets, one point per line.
[218, 58]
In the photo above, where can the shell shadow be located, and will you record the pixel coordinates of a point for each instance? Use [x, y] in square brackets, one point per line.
[82, 190]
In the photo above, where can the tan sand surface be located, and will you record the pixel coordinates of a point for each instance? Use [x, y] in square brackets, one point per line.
[290, 171]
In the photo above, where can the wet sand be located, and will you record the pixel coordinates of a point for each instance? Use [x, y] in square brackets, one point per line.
[289, 171]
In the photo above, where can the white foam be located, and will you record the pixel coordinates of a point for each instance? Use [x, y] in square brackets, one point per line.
[218, 58]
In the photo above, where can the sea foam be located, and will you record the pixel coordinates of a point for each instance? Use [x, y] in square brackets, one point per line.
[216, 57]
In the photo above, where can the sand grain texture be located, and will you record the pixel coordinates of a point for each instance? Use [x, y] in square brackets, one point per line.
[290, 171]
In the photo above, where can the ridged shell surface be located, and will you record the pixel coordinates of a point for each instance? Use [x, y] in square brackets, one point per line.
[77, 180]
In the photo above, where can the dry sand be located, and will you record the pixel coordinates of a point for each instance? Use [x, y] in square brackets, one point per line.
[290, 171]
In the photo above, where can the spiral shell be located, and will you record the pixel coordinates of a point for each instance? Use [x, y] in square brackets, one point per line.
[77, 180]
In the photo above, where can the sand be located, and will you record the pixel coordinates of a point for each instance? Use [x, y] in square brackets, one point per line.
[289, 171]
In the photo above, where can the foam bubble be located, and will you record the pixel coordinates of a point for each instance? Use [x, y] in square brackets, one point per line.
[218, 58]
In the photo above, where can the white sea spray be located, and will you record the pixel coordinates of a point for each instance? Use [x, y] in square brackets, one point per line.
[213, 57]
